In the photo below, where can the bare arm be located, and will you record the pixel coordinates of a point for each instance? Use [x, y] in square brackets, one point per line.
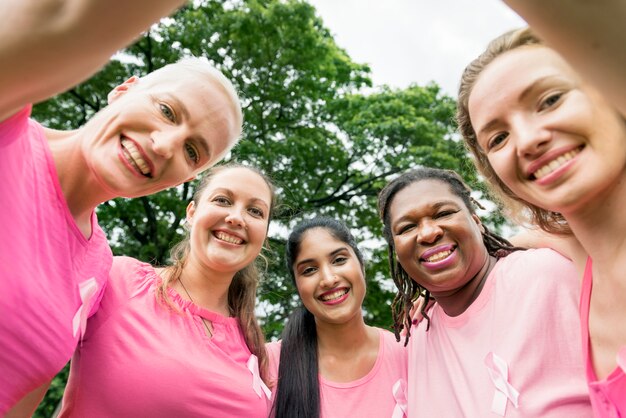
[48, 46]
[28, 404]
[590, 34]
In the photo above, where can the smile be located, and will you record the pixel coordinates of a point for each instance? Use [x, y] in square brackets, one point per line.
[334, 295]
[555, 164]
[135, 158]
[223, 236]
[438, 256]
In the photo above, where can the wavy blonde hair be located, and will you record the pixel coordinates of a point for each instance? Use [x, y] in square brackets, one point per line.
[549, 221]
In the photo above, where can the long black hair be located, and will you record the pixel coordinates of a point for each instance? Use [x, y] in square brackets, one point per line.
[298, 393]
[408, 289]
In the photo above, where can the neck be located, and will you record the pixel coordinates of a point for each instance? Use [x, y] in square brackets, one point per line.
[80, 188]
[344, 338]
[600, 227]
[456, 302]
[207, 289]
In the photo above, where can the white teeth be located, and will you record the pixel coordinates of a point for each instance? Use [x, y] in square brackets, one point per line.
[133, 155]
[223, 236]
[439, 256]
[334, 295]
[556, 163]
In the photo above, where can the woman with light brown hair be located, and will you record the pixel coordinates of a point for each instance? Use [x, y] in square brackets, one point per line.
[552, 147]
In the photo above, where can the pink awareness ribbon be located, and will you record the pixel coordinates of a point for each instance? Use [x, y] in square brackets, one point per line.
[257, 384]
[86, 290]
[399, 394]
[499, 374]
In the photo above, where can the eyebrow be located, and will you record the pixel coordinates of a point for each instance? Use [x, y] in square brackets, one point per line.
[332, 253]
[204, 143]
[434, 206]
[230, 194]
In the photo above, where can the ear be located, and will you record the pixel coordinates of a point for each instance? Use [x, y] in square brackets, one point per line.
[191, 209]
[479, 223]
[121, 89]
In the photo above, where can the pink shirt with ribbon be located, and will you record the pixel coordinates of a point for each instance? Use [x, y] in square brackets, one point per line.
[51, 276]
[142, 358]
[381, 393]
[512, 353]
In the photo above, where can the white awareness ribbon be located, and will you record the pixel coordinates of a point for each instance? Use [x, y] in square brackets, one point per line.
[257, 384]
[499, 374]
[621, 359]
[86, 290]
[399, 394]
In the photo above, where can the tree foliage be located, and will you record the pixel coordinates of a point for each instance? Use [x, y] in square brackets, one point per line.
[313, 123]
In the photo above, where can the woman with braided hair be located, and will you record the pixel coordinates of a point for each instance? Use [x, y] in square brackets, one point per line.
[477, 352]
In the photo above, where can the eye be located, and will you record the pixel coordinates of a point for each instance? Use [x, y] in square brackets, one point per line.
[445, 213]
[221, 200]
[256, 212]
[340, 260]
[497, 140]
[404, 228]
[308, 271]
[550, 101]
[167, 112]
[192, 152]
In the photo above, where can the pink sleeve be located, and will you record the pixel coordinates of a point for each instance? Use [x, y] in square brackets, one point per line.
[15, 126]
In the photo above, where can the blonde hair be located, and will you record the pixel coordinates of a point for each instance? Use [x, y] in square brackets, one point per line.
[552, 222]
[242, 290]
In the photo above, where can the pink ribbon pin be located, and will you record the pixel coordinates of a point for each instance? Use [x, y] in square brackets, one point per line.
[257, 384]
[399, 394]
[86, 290]
[499, 374]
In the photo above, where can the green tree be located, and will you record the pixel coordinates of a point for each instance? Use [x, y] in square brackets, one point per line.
[313, 122]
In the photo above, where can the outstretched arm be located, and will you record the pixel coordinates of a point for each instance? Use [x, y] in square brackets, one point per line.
[48, 46]
[590, 34]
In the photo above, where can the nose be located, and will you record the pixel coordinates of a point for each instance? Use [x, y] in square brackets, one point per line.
[429, 232]
[235, 218]
[329, 278]
[531, 138]
[165, 142]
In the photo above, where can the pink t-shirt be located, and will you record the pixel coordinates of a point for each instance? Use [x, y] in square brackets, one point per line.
[141, 358]
[378, 394]
[51, 277]
[608, 396]
[516, 344]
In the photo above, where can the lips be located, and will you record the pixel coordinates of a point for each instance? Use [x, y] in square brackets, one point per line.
[334, 296]
[438, 253]
[228, 237]
[135, 156]
[552, 161]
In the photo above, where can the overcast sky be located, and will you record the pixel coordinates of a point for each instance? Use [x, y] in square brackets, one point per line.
[415, 41]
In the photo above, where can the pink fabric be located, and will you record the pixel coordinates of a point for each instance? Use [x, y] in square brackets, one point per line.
[140, 358]
[608, 396]
[516, 343]
[45, 261]
[370, 396]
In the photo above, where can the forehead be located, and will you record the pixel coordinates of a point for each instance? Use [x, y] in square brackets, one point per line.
[508, 75]
[422, 195]
[318, 242]
[241, 181]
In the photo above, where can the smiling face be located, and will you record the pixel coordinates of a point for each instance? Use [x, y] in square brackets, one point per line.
[229, 221]
[549, 137]
[329, 277]
[159, 132]
[437, 240]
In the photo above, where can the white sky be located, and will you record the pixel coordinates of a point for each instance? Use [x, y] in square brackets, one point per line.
[415, 41]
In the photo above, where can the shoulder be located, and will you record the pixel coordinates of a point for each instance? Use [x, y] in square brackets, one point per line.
[129, 274]
[542, 268]
[273, 357]
[392, 347]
